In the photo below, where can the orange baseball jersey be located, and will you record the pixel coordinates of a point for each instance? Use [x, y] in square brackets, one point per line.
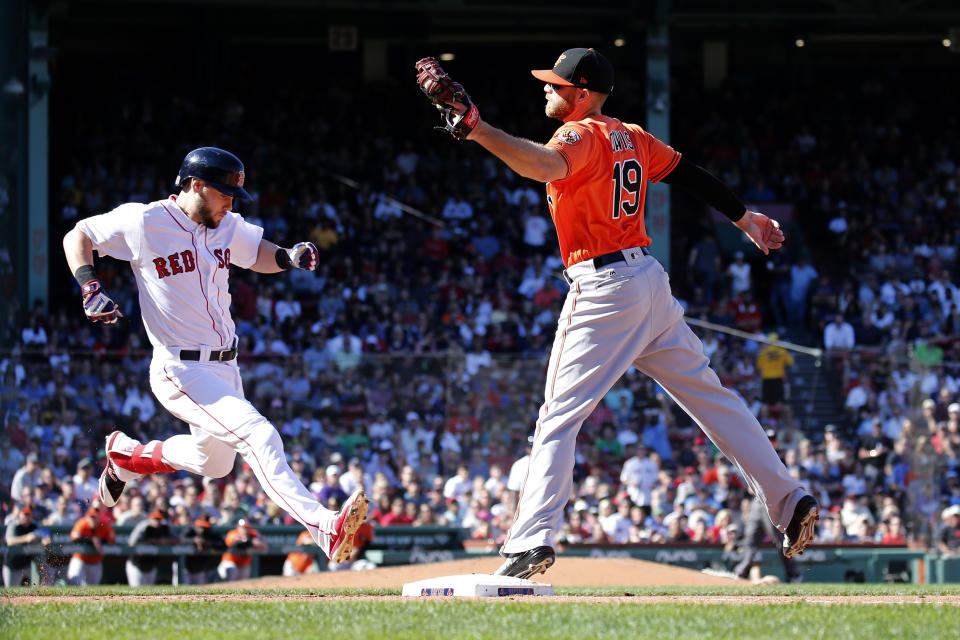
[598, 207]
[83, 528]
[240, 558]
[298, 559]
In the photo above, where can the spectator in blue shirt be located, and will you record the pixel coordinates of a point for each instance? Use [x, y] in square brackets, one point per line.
[331, 487]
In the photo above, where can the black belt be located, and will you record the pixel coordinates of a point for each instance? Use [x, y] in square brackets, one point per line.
[216, 356]
[612, 257]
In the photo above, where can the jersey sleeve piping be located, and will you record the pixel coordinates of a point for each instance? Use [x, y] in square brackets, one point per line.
[566, 160]
[666, 170]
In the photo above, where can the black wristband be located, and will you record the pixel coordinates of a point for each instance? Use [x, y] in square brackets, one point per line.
[707, 188]
[283, 258]
[85, 274]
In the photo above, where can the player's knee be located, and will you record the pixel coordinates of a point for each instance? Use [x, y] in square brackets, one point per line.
[218, 467]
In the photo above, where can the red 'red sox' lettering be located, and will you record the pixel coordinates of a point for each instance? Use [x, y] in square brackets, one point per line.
[161, 265]
[175, 263]
[223, 258]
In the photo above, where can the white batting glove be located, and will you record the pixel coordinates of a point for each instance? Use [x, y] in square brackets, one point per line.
[97, 305]
[304, 255]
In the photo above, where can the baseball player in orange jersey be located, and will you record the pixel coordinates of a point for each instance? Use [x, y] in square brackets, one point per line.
[87, 568]
[236, 562]
[298, 563]
[619, 311]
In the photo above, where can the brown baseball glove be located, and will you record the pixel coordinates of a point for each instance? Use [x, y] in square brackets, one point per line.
[458, 114]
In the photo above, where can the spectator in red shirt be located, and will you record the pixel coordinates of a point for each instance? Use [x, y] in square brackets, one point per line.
[396, 515]
[435, 246]
[748, 316]
[461, 421]
[243, 300]
[546, 296]
[893, 533]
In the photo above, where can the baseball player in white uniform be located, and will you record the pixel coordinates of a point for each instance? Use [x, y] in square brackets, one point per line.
[180, 250]
[620, 311]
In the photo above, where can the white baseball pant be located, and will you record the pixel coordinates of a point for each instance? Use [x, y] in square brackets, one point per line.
[84, 574]
[194, 577]
[229, 572]
[209, 397]
[14, 577]
[289, 570]
[139, 578]
[620, 316]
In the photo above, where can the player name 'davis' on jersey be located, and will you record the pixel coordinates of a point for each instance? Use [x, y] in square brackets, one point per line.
[620, 141]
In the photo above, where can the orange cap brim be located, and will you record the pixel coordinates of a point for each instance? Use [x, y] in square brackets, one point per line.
[548, 76]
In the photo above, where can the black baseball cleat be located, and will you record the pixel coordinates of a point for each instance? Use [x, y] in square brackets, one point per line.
[110, 486]
[799, 532]
[527, 563]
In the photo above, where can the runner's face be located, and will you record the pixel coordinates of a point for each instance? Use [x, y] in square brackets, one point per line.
[559, 100]
[213, 206]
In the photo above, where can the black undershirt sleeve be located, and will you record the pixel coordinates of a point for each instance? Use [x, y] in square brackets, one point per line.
[705, 187]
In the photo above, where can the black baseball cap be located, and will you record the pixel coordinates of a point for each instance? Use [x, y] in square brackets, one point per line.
[581, 68]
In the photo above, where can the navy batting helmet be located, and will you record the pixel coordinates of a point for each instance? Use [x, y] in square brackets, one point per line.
[220, 169]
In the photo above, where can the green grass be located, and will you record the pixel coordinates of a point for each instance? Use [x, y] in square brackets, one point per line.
[488, 618]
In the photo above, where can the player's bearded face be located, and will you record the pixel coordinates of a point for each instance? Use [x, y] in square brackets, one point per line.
[213, 206]
[557, 106]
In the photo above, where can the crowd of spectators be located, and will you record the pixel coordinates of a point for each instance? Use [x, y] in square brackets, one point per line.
[412, 360]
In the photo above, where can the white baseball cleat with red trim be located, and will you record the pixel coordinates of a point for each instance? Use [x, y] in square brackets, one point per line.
[114, 478]
[119, 447]
[110, 487]
[349, 519]
[132, 459]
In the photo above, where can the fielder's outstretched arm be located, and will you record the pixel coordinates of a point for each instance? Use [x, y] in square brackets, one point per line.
[462, 120]
[764, 232]
[529, 159]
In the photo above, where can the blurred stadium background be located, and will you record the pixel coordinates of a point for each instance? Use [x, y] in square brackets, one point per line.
[836, 117]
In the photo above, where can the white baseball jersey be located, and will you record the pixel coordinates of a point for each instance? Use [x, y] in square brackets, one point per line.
[181, 268]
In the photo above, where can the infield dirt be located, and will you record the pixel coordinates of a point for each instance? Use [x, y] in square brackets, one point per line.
[567, 572]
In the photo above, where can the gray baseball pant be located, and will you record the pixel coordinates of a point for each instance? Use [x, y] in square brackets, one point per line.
[613, 318]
